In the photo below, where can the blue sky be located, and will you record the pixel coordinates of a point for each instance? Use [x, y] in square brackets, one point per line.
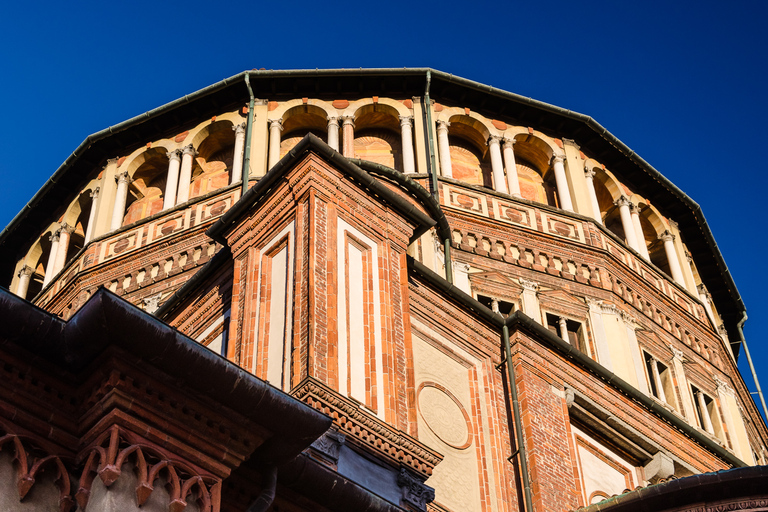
[682, 84]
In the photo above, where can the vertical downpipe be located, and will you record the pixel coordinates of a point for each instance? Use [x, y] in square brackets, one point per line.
[740, 327]
[248, 127]
[426, 104]
[528, 505]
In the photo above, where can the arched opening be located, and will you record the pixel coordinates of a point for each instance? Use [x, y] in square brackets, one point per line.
[652, 228]
[608, 209]
[377, 136]
[537, 181]
[78, 217]
[37, 259]
[470, 158]
[213, 164]
[145, 193]
[298, 122]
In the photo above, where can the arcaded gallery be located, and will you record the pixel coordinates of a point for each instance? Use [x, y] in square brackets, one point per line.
[369, 290]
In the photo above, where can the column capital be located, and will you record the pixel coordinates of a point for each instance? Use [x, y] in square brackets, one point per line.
[54, 237]
[443, 125]
[174, 154]
[348, 121]
[189, 150]
[111, 161]
[406, 121]
[67, 228]
[26, 270]
[333, 121]
[594, 305]
[494, 139]
[558, 159]
[722, 385]
[239, 129]
[276, 123]
[672, 224]
[95, 192]
[528, 285]
[415, 493]
[622, 201]
[702, 289]
[123, 177]
[722, 330]
[509, 143]
[677, 353]
[666, 236]
[589, 173]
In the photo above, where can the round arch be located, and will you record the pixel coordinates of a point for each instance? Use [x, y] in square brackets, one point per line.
[215, 146]
[148, 173]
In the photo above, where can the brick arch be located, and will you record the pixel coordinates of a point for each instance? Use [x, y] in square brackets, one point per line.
[215, 146]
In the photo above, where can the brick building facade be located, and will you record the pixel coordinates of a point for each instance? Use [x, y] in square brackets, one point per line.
[428, 294]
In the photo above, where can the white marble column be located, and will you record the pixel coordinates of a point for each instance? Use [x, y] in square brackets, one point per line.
[406, 136]
[705, 413]
[185, 176]
[121, 196]
[497, 167]
[513, 182]
[275, 128]
[657, 380]
[677, 363]
[91, 215]
[25, 274]
[237, 158]
[626, 222]
[563, 325]
[172, 179]
[54, 238]
[530, 300]
[333, 133]
[561, 181]
[348, 132]
[444, 149]
[65, 234]
[674, 263]
[634, 211]
[589, 174]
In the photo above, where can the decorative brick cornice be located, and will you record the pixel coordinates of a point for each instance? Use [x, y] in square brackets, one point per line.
[366, 431]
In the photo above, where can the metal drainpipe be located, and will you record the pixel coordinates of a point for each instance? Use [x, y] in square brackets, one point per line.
[740, 326]
[528, 505]
[426, 105]
[267, 495]
[248, 125]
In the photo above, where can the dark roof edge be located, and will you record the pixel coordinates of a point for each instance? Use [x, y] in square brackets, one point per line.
[311, 142]
[527, 324]
[107, 320]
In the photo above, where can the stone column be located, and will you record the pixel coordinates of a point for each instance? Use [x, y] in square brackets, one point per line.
[589, 174]
[25, 275]
[563, 192]
[185, 177]
[563, 324]
[530, 300]
[495, 306]
[513, 182]
[406, 136]
[333, 133]
[674, 264]
[275, 127]
[626, 222]
[682, 383]
[444, 149]
[91, 215]
[61, 252]
[172, 180]
[54, 238]
[237, 158]
[348, 128]
[705, 413]
[121, 196]
[657, 380]
[634, 211]
[497, 167]
[706, 300]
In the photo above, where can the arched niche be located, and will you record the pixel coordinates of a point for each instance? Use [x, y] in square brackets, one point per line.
[608, 191]
[212, 170]
[532, 158]
[300, 120]
[145, 193]
[377, 135]
[470, 159]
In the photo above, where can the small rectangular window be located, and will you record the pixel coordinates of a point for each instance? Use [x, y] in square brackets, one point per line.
[501, 306]
[660, 381]
[707, 413]
[569, 330]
